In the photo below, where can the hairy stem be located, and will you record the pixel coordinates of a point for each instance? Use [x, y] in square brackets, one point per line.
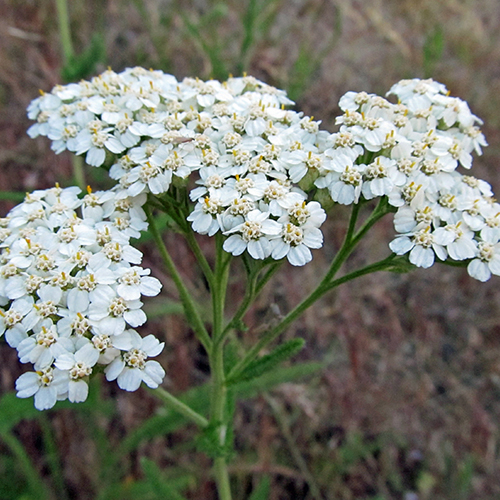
[219, 390]
[180, 407]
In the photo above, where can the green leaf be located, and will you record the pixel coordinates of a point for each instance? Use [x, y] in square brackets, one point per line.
[269, 361]
[83, 65]
[262, 491]
[209, 441]
[270, 379]
[159, 484]
[11, 196]
[433, 50]
[199, 400]
[401, 264]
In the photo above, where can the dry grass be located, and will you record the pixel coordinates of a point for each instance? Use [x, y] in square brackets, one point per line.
[410, 398]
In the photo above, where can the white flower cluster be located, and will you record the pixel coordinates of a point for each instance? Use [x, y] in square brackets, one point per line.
[70, 289]
[410, 152]
[256, 162]
[248, 190]
[246, 148]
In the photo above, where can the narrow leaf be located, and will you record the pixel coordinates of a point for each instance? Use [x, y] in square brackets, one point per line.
[199, 399]
[269, 361]
[262, 491]
[159, 485]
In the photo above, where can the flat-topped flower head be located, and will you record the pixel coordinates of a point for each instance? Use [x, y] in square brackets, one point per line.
[75, 278]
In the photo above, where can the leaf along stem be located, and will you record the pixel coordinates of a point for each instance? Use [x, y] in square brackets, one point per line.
[350, 242]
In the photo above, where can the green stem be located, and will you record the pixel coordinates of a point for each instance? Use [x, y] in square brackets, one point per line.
[202, 261]
[79, 172]
[254, 287]
[35, 483]
[219, 401]
[273, 269]
[168, 205]
[348, 244]
[64, 30]
[222, 477]
[221, 276]
[219, 389]
[382, 265]
[12, 196]
[190, 308]
[250, 294]
[326, 284]
[180, 407]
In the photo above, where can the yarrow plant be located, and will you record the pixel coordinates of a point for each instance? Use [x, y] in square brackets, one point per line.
[232, 161]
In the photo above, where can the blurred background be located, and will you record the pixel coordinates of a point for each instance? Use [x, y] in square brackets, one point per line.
[396, 395]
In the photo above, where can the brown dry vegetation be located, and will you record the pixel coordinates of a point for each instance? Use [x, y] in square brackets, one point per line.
[409, 399]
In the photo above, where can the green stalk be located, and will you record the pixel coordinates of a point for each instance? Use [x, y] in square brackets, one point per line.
[218, 417]
[254, 287]
[12, 196]
[79, 172]
[190, 308]
[219, 288]
[180, 407]
[219, 390]
[382, 265]
[250, 294]
[64, 30]
[202, 261]
[273, 269]
[167, 205]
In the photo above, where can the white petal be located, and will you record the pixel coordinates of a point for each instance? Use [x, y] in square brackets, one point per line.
[234, 245]
[152, 346]
[27, 385]
[401, 245]
[422, 257]
[299, 255]
[130, 379]
[114, 369]
[45, 398]
[153, 374]
[479, 270]
[136, 317]
[78, 391]
[150, 286]
[95, 157]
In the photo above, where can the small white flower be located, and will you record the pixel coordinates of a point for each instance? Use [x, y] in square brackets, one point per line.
[487, 261]
[79, 367]
[132, 367]
[48, 386]
[421, 245]
[134, 282]
[253, 235]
